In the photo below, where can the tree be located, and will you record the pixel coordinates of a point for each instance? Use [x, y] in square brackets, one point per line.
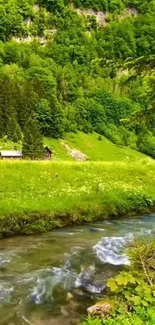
[2, 128]
[26, 103]
[43, 115]
[32, 140]
[56, 124]
[146, 143]
[6, 102]
[13, 129]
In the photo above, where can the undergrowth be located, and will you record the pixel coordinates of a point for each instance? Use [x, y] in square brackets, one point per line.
[133, 290]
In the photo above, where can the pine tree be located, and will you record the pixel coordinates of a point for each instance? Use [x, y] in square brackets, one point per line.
[26, 103]
[6, 103]
[2, 128]
[32, 140]
[13, 129]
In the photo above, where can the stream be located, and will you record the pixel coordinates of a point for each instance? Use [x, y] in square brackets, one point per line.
[52, 278]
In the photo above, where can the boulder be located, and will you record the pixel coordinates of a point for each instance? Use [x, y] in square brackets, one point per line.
[101, 310]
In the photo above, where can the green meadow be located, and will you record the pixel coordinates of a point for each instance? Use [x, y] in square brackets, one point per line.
[38, 196]
[92, 147]
[89, 144]
[41, 195]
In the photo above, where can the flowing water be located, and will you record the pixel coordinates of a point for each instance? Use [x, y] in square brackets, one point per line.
[52, 278]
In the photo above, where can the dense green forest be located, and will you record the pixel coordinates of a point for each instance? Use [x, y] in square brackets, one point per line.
[78, 65]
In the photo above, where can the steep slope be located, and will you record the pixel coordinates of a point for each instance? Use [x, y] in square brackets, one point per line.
[95, 148]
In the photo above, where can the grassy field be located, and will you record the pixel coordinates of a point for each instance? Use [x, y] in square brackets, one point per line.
[103, 150]
[37, 196]
[94, 149]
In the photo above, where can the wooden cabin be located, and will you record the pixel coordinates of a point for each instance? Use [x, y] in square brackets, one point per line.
[11, 154]
[47, 153]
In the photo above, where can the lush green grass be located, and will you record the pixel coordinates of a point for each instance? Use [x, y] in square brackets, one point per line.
[62, 186]
[77, 191]
[37, 196]
[103, 150]
[94, 149]
[59, 152]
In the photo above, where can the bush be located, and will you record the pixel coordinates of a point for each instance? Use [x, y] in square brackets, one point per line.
[146, 143]
[111, 132]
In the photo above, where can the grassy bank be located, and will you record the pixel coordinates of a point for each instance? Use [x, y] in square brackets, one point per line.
[38, 196]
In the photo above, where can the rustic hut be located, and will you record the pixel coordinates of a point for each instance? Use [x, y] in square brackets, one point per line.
[11, 154]
[47, 153]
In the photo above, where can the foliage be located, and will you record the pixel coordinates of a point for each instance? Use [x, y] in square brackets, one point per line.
[32, 140]
[73, 73]
[13, 130]
[146, 143]
[91, 321]
[141, 316]
[138, 285]
[134, 289]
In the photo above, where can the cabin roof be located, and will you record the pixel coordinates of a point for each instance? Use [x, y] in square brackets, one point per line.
[10, 153]
[48, 149]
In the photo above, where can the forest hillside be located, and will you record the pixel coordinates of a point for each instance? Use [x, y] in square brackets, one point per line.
[76, 65]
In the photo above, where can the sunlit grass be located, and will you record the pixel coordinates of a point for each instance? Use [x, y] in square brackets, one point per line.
[67, 186]
[94, 149]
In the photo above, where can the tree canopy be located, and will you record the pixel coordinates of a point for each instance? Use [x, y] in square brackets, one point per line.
[78, 65]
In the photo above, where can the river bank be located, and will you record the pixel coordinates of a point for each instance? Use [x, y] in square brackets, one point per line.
[40, 196]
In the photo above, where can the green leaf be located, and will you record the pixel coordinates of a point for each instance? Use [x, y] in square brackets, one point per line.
[112, 285]
[121, 279]
[137, 300]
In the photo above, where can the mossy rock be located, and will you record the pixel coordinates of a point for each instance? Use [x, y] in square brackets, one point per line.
[102, 309]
